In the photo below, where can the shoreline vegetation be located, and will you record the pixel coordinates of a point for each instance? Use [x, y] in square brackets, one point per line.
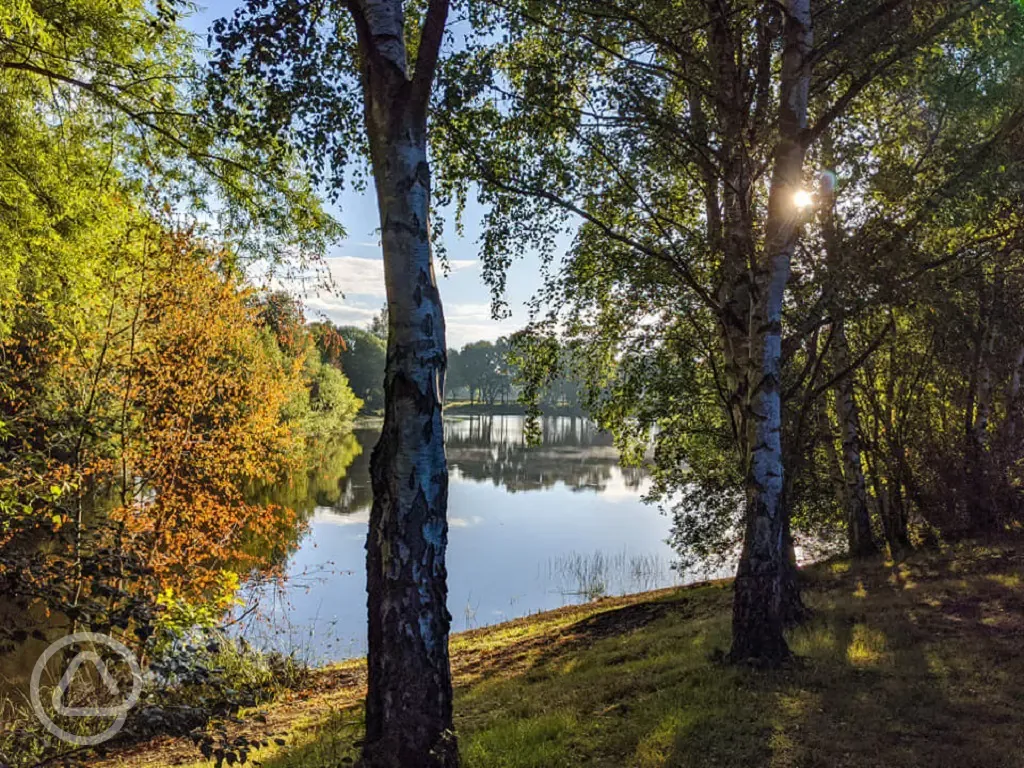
[922, 656]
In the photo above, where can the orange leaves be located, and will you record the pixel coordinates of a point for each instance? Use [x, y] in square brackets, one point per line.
[157, 404]
[207, 394]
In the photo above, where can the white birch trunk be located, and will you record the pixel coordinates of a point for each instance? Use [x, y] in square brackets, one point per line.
[758, 606]
[409, 691]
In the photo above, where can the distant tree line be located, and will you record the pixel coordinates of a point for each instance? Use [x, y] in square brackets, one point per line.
[481, 373]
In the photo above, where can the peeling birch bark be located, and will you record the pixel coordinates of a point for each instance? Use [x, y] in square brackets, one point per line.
[409, 692]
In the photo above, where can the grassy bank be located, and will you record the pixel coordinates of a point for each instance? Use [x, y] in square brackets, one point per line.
[915, 664]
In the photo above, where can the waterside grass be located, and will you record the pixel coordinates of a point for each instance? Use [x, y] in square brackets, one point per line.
[919, 663]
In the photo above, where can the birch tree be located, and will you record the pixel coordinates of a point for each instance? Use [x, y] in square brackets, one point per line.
[669, 140]
[335, 78]
[854, 487]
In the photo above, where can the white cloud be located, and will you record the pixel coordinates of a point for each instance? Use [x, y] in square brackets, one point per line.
[360, 286]
[356, 276]
[339, 311]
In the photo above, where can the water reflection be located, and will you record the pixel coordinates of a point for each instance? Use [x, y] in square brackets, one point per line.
[531, 528]
[572, 452]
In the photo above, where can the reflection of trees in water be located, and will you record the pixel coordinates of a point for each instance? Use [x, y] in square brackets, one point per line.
[484, 448]
[356, 494]
[321, 484]
[572, 451]
[482, 431]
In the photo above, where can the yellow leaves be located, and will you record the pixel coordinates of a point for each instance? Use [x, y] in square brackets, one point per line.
[166, 598]
[160, 378]
[228, 585]
[210, 398]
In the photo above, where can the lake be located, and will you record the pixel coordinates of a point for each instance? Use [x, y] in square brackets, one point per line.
[531, 529]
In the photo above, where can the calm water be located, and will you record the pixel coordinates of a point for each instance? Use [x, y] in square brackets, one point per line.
[531, 529]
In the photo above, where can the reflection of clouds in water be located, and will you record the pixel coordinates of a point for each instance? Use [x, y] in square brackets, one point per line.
[327, 516]
[519, 516]
[622, 486]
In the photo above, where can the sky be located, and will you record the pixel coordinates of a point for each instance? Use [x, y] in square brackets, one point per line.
[358, 270]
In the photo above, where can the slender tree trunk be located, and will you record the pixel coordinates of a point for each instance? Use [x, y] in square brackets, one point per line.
[759, 590]
[409, 692]
[858, 516]
[835, 463]
[409, 703]
[1013, 390]
[1009, 497]
[981, 506]
[885, 464]
[794, 611]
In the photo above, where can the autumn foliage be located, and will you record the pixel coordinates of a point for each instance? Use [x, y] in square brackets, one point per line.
[206, 394]
[136, 426]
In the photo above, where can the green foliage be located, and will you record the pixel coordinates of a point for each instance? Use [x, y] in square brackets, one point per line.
[332, 404]
[481, 367]
[631, 133]
[178, 616]
[362, 360]
[128, 354]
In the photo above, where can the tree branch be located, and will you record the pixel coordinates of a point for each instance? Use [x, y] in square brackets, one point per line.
[858, 361]
[811, 134]
[430, 48]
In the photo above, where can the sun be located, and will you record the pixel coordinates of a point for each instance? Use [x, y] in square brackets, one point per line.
[803, 199]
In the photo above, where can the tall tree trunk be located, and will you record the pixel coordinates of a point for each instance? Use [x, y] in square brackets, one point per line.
[982, 513]
[409, 695]
[835, 463]
[885, 466]
[758, 601]
[793, 611]
[409, 703]
[858, 516]
[1009, 437]
[1013, 390]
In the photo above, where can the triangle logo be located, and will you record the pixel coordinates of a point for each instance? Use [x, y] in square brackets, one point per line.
[68, 678]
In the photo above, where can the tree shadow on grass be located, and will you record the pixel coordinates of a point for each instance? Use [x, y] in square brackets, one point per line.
[918, 668]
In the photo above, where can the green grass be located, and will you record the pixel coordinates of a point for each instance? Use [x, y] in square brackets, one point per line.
[917, 664]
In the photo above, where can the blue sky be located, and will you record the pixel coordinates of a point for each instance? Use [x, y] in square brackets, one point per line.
[357, 268]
